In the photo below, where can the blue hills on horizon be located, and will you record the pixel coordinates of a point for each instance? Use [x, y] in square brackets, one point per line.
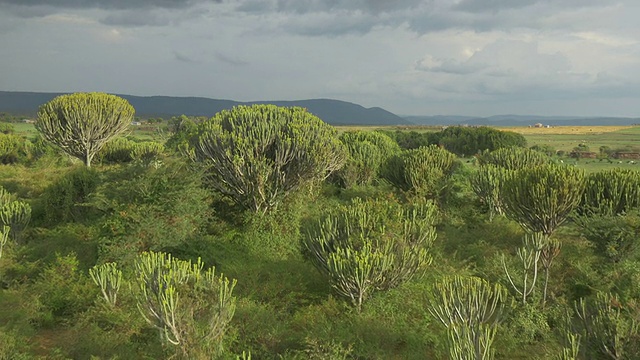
[335, 112]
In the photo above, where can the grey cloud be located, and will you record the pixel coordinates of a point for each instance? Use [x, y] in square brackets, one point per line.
[492, 5]
[362, 16]
[313, 6]
[449, 66]
[183, 58]
[120, 12]
[103, 4]
[229, 59]
[134, 18]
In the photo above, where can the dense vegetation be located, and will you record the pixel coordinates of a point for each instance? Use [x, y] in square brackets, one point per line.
[263, 233]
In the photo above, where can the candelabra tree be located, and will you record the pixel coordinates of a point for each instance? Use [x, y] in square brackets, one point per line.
[486, 183]
[257, 155]
[191, 307]
[540, 199]
[609, 329]
[82, 123]
[422, 172]
[371, 245]
[367, 152]
[109, 278]
[470, 308]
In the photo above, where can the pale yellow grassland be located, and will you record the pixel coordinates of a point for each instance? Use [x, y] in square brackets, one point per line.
[564, 130]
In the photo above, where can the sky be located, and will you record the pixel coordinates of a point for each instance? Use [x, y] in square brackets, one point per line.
[411, 57]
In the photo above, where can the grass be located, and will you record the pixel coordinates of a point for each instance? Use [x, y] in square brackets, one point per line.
[567, 137]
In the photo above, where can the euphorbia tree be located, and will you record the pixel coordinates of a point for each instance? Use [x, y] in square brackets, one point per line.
[82, 123]
[257, 155]
[423, 172]
[372, 245]
[540, 198]
[471, 309]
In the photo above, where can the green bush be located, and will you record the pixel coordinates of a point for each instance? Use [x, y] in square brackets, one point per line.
[63, 290]
[147, 152]
[422, 172]
[148, 208]
[257, 155]
[615, 237]
[116, 151]
[513, 158]
[468, 141]
[611, 192]
[6, 128]
[67, 198]
[14, 149]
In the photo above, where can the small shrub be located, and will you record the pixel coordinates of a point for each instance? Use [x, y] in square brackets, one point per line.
[63, 290]
[66, 199]
[149, 208]
[513, 158]
[14, 149]
[6, 128]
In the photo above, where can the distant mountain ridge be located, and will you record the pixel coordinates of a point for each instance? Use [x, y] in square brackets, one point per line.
[521, 120]
[335, 112]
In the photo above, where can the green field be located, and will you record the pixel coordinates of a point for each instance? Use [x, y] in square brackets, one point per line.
[566, 138]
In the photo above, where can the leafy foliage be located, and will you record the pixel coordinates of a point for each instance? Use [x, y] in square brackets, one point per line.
[257, 155]
[67, 199]
[615, 237]
[149, 208]
[82, 123]
[467, 141]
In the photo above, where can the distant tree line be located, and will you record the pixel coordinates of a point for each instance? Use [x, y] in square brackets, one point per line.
[462, 141]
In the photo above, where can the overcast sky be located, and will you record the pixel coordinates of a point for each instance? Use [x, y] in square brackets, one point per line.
[411, 57]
